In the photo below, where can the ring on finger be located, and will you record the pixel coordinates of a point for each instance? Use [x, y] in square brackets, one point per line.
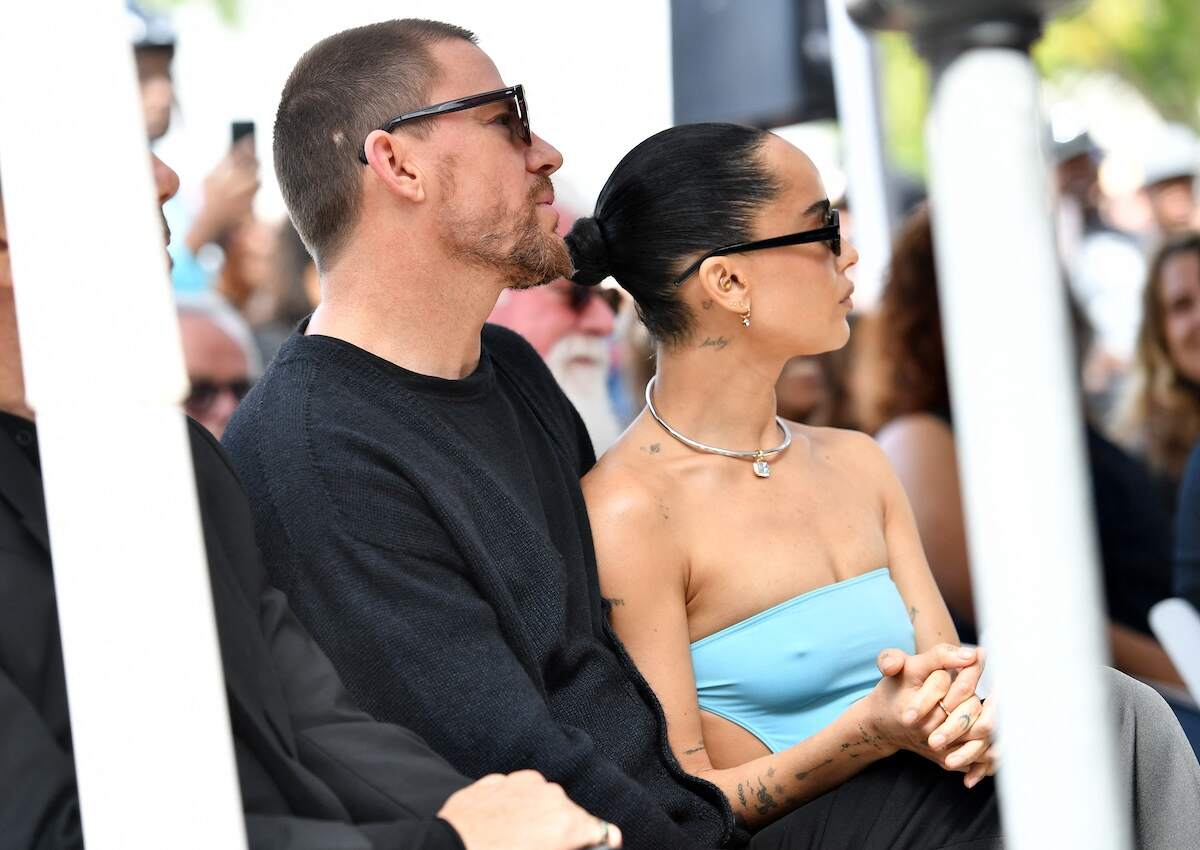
[606, 832]
[942, 706]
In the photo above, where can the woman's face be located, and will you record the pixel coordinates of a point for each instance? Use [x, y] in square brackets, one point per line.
[800, 294]
[1179, 291]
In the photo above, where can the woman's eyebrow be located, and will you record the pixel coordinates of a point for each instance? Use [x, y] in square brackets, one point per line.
[821, 206]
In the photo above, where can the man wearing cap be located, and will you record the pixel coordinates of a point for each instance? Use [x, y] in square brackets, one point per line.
[1170, 180]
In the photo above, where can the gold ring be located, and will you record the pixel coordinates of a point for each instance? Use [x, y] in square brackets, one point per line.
[943, 708]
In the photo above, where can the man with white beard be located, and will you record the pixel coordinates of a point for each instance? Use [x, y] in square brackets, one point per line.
[569, 325]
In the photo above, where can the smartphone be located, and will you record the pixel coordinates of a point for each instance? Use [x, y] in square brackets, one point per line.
[238, 130]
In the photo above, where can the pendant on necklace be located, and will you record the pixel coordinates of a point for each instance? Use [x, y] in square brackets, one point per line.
[761, 468]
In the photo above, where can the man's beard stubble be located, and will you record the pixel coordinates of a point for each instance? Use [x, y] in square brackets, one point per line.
[514, 244]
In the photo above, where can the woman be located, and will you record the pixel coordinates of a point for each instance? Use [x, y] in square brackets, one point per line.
[756, 568]
[1160, 415]
[910, 409]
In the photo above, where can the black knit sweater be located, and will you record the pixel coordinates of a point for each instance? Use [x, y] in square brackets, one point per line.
[432, 536]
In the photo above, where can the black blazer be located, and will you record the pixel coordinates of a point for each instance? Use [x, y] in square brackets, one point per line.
[315, 771]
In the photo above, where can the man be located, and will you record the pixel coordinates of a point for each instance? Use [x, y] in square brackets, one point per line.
[221, 361]
[569, 326]
[1170, 180]
[415, 473]
[315, 771]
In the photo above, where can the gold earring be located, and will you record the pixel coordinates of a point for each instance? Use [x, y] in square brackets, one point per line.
[746, 318]
[725, 284]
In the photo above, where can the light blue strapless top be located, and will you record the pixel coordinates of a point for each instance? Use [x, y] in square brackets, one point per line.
[789, 671]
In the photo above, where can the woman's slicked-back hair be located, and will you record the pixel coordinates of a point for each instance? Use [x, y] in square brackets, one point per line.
[343, 88]
[678, 194]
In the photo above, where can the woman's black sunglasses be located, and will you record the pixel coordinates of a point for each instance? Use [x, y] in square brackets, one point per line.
[517, 93]
[831, 233]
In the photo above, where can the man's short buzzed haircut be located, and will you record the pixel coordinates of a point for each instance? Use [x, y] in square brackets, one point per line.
[343, 88]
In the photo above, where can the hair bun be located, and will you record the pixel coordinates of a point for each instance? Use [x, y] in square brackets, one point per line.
[589, 252]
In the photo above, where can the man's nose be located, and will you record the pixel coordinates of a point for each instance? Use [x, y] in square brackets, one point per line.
[166, 181]
[596, 318]
[543, 158]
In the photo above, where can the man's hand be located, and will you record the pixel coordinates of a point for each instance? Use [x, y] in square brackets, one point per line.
[522, 811]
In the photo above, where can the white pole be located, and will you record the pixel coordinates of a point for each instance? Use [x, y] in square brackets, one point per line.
[856, 80]
[104, 372]
[1017, 422]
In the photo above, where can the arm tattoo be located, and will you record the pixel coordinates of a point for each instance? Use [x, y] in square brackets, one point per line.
[765, 801]
[804, 774]
[716, 344]
[615, 602]
[742, 796]
[912, 614]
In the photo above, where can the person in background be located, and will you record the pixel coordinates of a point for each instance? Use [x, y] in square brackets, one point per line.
[221, 358]
[293, 291]
[571, 327]
[1170, 181]
[1158, 416]
[229, 189]
[1105, 265]
[249, 256]
[819, 390]
[910, 411]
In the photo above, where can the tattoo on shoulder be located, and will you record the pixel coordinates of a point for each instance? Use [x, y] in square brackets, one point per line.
[804, 774]
[652, 449]
[715, 344]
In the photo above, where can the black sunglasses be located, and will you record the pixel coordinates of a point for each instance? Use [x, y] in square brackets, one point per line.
[831, 233]
[580, 296]
[517, 93]
[204, 393]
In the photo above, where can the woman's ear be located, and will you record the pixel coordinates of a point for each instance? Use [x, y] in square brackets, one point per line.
[723, 285]
[390, 159]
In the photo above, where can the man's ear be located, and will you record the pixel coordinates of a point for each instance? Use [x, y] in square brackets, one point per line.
[391, 161]
[721, 284]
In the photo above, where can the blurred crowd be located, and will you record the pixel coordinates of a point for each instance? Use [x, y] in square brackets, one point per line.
[1130, 272]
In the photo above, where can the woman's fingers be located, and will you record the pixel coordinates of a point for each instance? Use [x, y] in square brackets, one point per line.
[966, 681]
[927, 698]
[966, 756]
[985, 766]
[957, 724]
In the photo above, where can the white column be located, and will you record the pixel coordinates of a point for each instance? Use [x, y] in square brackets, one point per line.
[104, 372]
[1017, 422]
[856, 81]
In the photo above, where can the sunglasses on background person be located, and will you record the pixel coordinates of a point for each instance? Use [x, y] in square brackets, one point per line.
[204, 394]
[514, 93]
[579, 297]
[830, 232]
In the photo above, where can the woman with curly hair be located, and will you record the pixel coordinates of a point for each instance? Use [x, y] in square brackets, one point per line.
[910, 410]
[1159, 418]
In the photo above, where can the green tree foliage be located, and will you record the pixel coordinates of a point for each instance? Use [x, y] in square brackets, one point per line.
[1152, 44]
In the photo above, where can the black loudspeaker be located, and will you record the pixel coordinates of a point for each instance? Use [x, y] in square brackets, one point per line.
[764, 63]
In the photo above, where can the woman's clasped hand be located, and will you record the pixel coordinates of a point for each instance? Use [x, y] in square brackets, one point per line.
[926, 704]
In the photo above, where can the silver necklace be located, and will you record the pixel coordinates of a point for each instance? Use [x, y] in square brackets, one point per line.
[761, 468]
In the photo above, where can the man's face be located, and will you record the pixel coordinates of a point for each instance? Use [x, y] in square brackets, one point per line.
[157, 88]
[493, 192]
[217, 369]
[1173, 203]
